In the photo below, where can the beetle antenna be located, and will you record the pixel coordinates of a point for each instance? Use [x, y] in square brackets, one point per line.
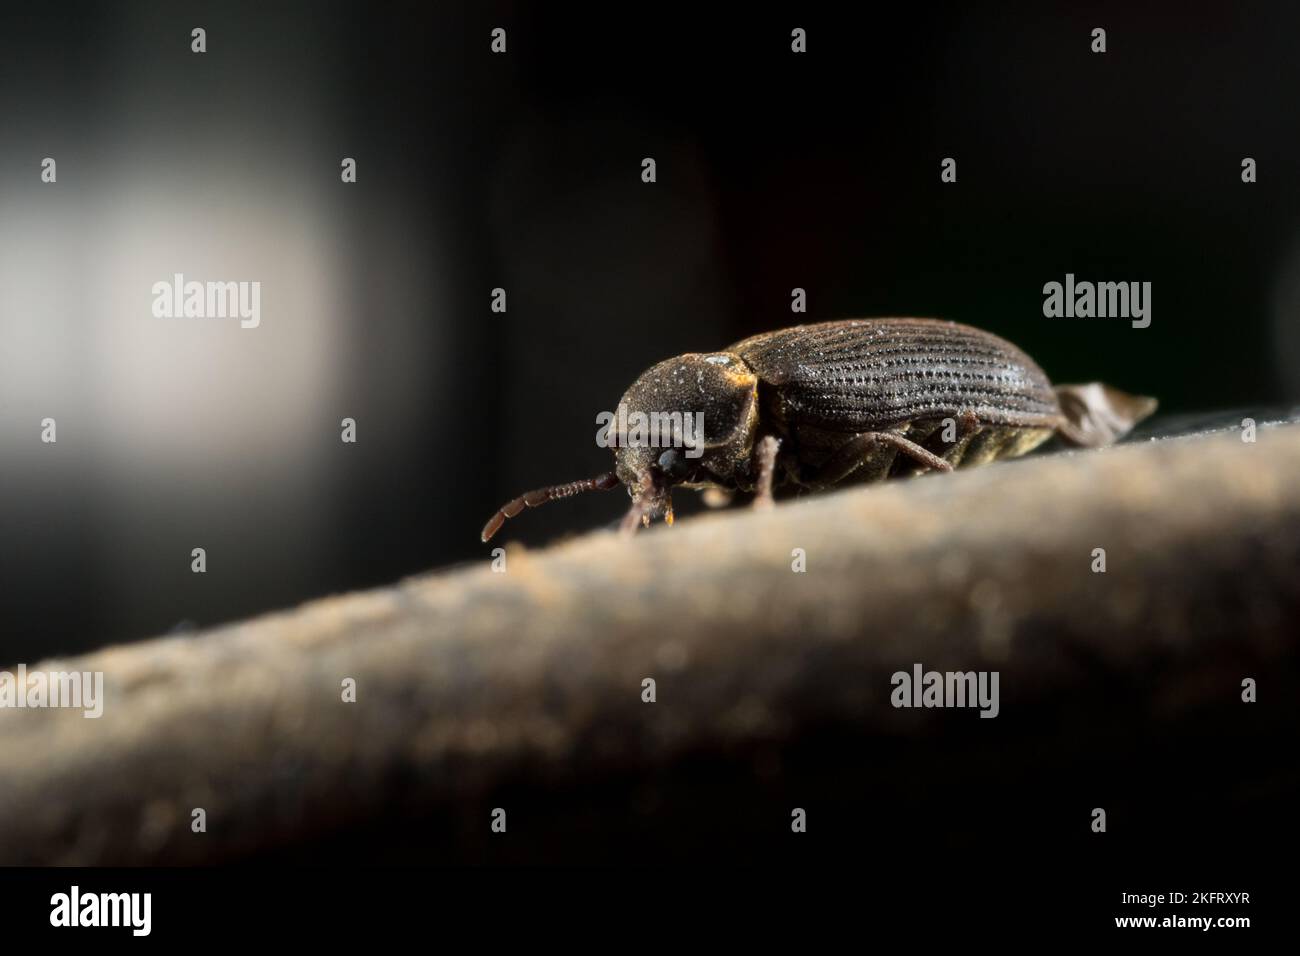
[534, 499]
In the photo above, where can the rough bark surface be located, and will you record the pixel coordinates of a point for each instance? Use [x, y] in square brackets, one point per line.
[472, 684]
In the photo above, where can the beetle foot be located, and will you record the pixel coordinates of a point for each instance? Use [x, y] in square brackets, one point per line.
[765, 455]
[716, 497]
[635, 517]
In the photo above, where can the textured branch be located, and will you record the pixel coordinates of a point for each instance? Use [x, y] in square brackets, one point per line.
[474, 686]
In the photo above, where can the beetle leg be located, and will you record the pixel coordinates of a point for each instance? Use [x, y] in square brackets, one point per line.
[912, 450]
[765, 456]
[853, 452]
[846, 460]
[637, 515]
[642, 504]
[968, 424]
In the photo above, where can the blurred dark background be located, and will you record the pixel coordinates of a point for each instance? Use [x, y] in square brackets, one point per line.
[522, 171]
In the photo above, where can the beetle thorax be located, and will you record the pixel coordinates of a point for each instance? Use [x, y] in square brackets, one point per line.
[688, 419]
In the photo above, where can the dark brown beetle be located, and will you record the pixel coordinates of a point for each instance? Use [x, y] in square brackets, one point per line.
[846, 402]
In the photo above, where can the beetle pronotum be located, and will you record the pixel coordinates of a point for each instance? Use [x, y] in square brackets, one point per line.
[838, 402]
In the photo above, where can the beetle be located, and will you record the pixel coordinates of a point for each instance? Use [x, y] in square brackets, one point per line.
[850, 401]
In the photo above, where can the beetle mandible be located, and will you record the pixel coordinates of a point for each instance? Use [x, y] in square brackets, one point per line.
[851, 401]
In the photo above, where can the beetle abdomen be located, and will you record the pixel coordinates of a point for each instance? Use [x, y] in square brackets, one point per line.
[962, 449]
[875, 374]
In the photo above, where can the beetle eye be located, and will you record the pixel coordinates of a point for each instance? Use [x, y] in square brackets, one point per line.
[673, 464]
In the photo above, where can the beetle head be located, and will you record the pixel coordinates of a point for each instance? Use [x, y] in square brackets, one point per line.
[688, 420]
